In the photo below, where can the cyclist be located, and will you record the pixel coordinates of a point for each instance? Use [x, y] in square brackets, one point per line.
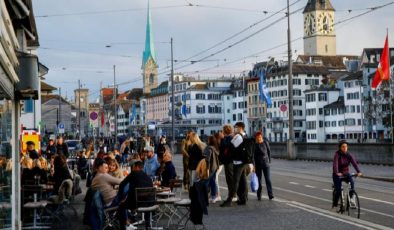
[342, 160]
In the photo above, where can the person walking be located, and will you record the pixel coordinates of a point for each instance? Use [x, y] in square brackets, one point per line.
[262, 160]
[61, 147]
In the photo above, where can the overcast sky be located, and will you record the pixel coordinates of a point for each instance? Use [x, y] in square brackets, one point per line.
[83, 39]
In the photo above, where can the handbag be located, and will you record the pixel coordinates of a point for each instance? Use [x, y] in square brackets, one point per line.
[254, 184]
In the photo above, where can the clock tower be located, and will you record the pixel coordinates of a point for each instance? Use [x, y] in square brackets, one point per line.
[319, 31]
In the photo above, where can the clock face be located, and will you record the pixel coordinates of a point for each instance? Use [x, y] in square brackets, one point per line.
[325, 23]
[309, 24]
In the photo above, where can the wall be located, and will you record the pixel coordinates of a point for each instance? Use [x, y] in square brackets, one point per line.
[364, 153]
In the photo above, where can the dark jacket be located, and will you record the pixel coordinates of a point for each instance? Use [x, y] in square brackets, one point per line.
[161, 148]
[41, 173]
[50, 150]
[237, 153]
[224, 150]
[168, 174]
[342, 161]
[61, 174]
[195, 155]
[262, 154]
[199, 202]
[62, 149]
[136, 179]
[33, 154]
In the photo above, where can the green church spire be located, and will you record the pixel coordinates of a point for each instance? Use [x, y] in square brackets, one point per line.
[149, 46]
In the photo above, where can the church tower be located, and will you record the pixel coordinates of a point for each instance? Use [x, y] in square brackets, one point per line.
[149, 61]
[319, 31]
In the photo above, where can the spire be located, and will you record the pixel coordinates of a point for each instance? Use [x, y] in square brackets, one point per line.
[149, 46]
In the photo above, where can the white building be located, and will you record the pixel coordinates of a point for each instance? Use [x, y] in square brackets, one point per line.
[235, 104]
[318, 124]
[202, 98]
[304, 77]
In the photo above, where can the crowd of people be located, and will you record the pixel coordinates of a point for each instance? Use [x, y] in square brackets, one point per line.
[116, 173]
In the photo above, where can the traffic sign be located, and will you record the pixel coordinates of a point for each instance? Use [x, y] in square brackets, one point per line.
[93, 116]
[61, 127]
[283, 107]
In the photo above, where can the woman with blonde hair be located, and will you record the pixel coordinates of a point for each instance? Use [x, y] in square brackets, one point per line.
[169, 172]
[113, 168]
[195, 151]
[27, 171]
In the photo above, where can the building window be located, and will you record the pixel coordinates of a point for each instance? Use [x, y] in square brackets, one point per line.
[200, 96]
[200, 109]
[322, 97]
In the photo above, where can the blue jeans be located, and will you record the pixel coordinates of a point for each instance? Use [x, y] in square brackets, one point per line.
[266, 171]
[212, 184]
[338, 186]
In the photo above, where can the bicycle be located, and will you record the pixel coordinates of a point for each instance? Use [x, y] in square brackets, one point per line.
[352, 209]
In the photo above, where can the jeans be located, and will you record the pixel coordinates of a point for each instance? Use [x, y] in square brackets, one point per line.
[338, 186]
[266, 171]
[218, 171]
[212, 184]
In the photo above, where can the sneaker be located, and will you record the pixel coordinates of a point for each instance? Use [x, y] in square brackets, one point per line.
[241, 202]
[336, 209]
[130, 227]
[235, 199]
[271, 197]
[216, 199]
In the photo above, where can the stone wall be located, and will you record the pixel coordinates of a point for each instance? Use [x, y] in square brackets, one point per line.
[364, 153]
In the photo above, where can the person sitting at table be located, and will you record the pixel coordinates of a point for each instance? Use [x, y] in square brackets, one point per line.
[104, 182]
[169, 172]
[136, 179]
[60, 173]
[32, 153]
[114, 169]
[151, 163]
[27, 171]
[39, 172]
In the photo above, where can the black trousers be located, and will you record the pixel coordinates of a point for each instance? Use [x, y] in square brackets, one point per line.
[240, 186]
[229, 174]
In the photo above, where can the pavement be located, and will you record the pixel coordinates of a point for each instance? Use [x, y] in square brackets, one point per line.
[266, 214]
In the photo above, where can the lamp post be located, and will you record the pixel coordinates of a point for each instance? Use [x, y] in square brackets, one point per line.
[290, 141]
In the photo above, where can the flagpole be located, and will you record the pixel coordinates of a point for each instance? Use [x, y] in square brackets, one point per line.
[391, 93]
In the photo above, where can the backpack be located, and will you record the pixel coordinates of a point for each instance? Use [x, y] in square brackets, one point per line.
[247, 147]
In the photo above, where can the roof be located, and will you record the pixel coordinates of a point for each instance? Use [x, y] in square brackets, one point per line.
[340, 103]
[299, 69]
[353, 76]
[149, 45]
[46, 98]
[314, 5]
[199, 86]
[135, 94]
[332, 62]
[47, 87]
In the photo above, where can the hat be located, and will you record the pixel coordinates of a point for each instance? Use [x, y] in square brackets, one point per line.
[149, 149]
[134, 161]
[30, 143]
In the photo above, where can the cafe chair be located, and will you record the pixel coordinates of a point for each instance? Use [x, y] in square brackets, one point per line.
[146, 205]
[32, 199]
[62, 200]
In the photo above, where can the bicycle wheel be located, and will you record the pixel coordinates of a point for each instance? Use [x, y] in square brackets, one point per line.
[353, 210]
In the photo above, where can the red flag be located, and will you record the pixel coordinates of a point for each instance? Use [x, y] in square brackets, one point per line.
[383, 71]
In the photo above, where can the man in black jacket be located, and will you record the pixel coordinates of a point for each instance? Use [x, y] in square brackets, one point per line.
[61, 147]
[51, 148]
[136, 179]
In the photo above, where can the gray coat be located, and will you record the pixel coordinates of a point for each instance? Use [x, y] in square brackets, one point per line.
[212, 156]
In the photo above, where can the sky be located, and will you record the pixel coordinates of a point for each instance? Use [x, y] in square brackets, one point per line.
[84, 39]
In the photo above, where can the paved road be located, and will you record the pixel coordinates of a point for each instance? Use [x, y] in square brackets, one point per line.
[303, 200]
